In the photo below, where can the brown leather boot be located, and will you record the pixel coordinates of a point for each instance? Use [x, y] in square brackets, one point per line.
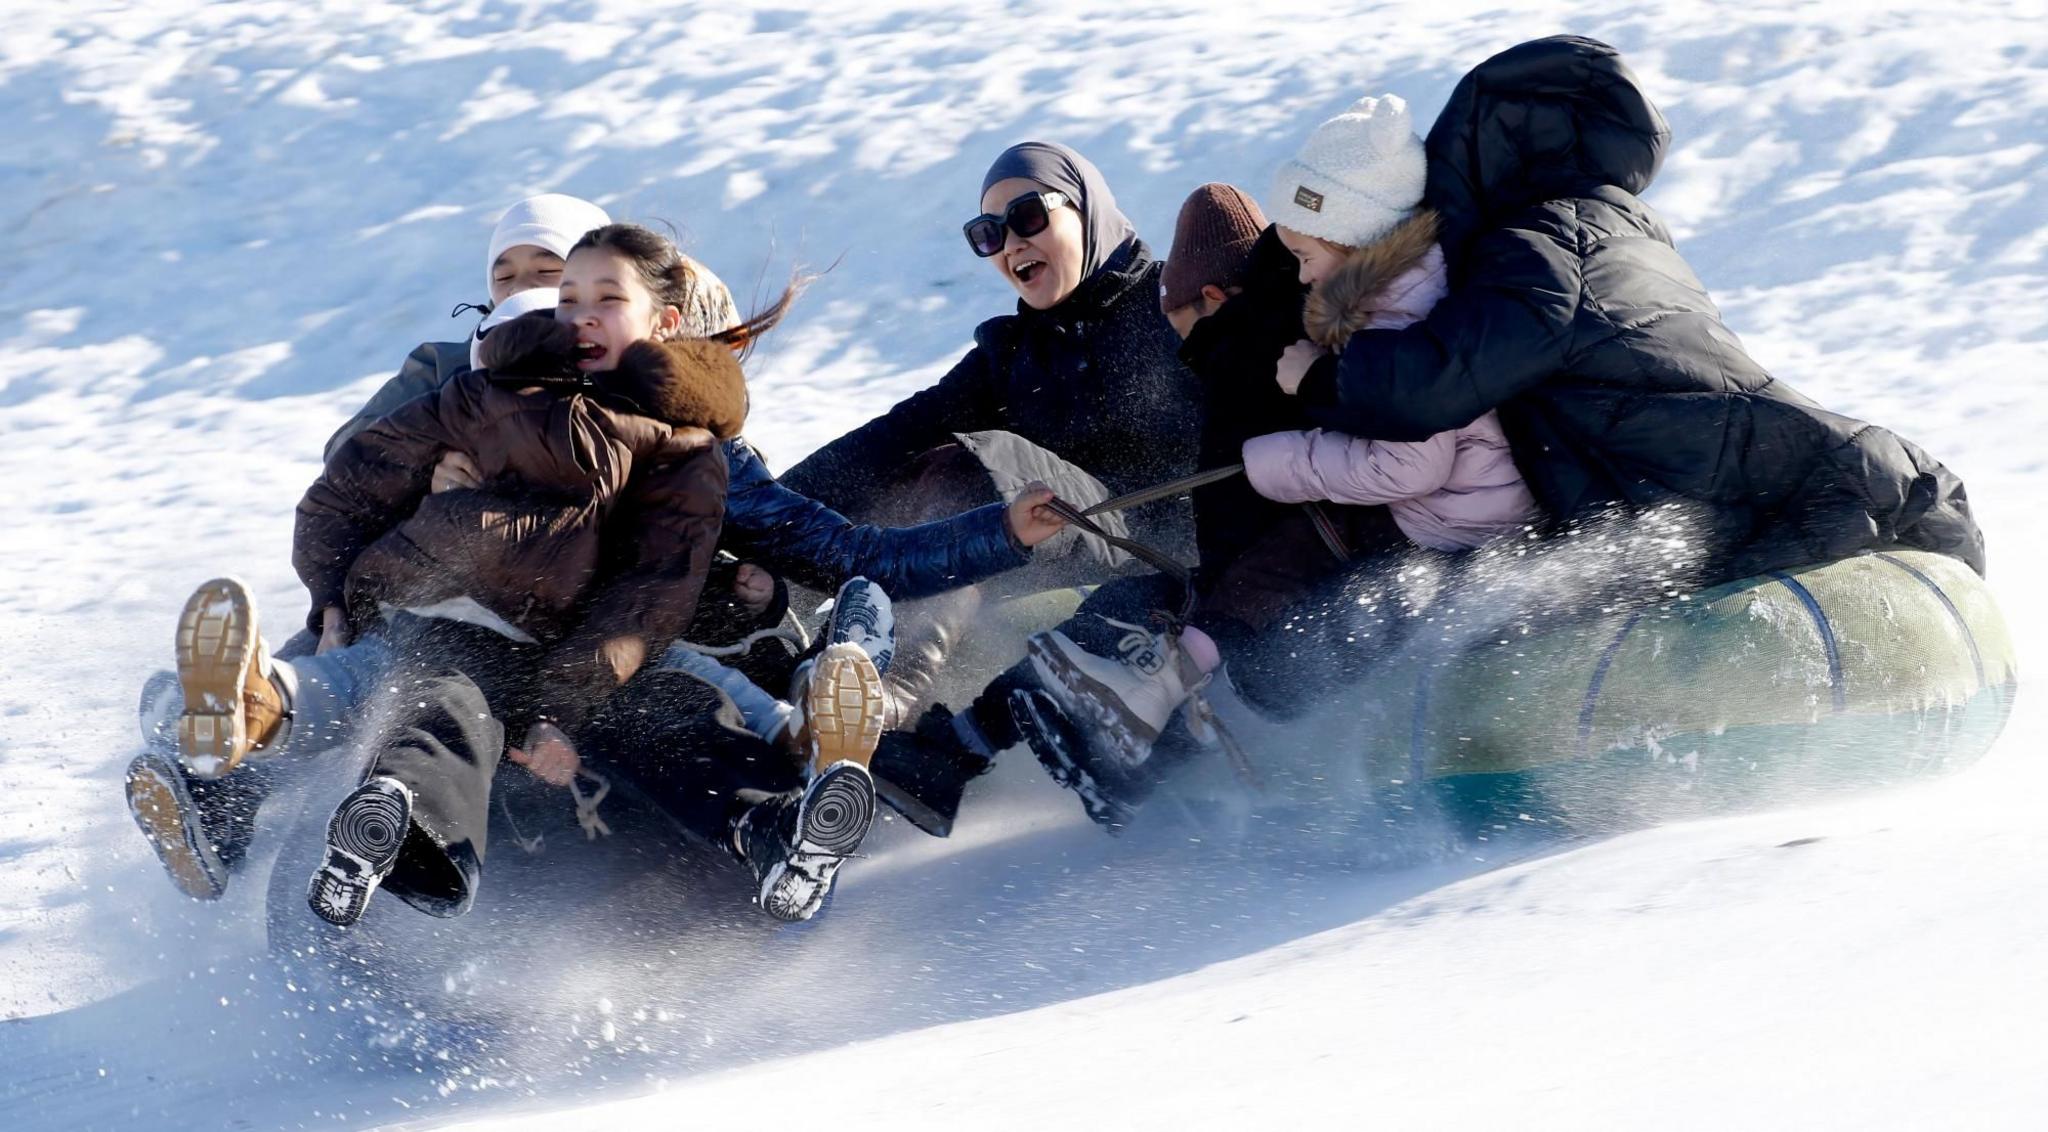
[232, 707]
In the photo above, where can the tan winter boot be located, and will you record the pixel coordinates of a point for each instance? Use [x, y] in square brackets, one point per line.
[841, 708]
[231, 705]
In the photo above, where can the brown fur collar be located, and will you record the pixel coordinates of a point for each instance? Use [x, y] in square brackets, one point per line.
[688, 383]
[1341, 305]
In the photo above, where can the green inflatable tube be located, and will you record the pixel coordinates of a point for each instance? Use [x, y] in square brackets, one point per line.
[1781, 688]
[1777, 689]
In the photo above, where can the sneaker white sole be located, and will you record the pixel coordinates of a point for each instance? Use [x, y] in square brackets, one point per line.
[363, 840]
[217, 651]
[163, 809]
[833, 819]
[844, 707]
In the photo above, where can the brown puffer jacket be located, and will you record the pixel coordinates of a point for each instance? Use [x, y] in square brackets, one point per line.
[595, 524]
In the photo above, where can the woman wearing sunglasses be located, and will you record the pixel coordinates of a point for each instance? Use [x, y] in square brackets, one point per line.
[1082, 388]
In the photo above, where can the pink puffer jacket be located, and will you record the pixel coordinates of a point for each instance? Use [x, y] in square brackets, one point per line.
[1453, 491]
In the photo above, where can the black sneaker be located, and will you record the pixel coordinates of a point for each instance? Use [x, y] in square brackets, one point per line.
[363, 839]
[1111, 800]
[795, 842]
[922, 774]
[200, 829]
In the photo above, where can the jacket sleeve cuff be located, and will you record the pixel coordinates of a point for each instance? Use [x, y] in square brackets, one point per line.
[1002, 518]
[321, 600]
[778, 605]
[992, 544]
[1319, 386]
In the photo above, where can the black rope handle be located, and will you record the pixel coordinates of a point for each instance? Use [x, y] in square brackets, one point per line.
[1166, 490]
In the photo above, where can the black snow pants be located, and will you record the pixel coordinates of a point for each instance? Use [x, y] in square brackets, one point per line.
[681, 742]
[455, 695]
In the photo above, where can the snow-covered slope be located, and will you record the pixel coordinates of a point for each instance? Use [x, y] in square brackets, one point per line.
[230, 221]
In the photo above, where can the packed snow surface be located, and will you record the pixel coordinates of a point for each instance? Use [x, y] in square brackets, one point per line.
[230, 221]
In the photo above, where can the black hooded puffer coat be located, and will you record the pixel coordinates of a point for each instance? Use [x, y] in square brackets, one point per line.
[1572, 314]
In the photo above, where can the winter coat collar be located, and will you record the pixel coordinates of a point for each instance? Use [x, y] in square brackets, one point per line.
[688, 383]
[1548, 119]
[1345, 303]
[1098, 293]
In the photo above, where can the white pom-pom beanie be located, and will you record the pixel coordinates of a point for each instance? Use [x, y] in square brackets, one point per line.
[1358, 175]
[551, 220]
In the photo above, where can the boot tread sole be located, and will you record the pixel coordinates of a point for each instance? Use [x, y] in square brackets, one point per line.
[161, 809]
[794, 889]
[216, 649]
[356, 864]
[844, 707]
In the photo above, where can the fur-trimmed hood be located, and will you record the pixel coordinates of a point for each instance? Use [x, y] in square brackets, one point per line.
[687, 383]
[1395, 279]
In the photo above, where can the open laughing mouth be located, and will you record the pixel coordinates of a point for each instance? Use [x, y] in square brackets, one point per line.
[589, 352]
[1027, 270]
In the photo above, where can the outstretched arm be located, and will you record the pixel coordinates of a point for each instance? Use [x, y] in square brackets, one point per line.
[849, 473]
[1502, 333]
[1300, 467]
[800, 538]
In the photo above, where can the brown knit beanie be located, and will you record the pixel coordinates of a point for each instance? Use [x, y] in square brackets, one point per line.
[1212, 243]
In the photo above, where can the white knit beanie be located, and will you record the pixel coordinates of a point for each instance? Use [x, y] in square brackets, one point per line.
[1359, 174]
[515, 304]
[551, 220]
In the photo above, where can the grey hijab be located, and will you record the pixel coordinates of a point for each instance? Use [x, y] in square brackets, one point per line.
[1062, 170]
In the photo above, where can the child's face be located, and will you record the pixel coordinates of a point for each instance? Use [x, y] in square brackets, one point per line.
[603, 297]
[522, 267]
[1318, 260]
[1044, 268]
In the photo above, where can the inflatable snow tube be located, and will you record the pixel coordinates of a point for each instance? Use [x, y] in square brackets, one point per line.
[1777, 689]
[1771, 690]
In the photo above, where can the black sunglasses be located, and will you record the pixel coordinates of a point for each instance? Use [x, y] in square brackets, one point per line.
[1027, 216]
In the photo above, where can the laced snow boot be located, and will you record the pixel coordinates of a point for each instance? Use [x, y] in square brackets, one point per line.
[1124, 703]
[200, 828]
[232, 704]
[839, 692]
[1108, 793]
[363, 840]
[794, 843]
[923, 773]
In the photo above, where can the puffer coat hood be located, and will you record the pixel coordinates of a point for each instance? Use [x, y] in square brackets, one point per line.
[1546, 120]
[1574, 317]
